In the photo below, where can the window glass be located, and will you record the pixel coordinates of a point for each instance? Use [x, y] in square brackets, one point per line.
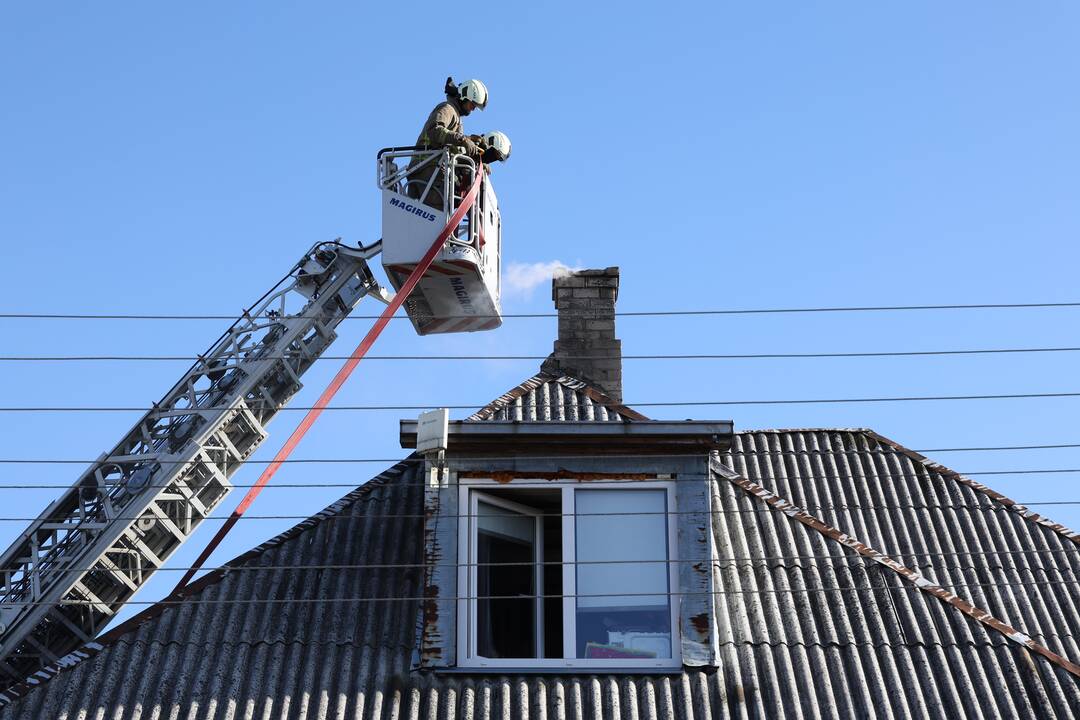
[506, 575]
[609, 602]
[623, 608]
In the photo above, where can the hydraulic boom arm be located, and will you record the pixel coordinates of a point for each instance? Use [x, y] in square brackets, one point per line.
[67, 574]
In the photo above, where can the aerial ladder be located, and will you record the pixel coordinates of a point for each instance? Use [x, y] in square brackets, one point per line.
[68, 574]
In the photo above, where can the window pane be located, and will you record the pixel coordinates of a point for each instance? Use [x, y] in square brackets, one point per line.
[506, 593]
[623, 606]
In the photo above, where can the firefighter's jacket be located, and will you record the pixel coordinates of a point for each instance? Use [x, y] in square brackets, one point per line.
[443, 126]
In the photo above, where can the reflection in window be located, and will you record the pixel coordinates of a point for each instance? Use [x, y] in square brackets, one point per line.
[506, 557]
[571, 574]
[623, 608]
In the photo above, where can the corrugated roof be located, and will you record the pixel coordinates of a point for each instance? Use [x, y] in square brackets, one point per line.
[792, 645]
[889, 650]
[557, 398]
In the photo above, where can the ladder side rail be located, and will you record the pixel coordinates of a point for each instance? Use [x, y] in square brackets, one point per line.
[246, 320]
[40, 581]
[283, 344]
[75, 499]
[70, 499]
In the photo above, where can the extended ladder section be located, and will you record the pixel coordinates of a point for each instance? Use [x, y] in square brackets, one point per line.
[68, 574]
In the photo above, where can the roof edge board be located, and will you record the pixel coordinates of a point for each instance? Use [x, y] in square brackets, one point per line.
[649, 436]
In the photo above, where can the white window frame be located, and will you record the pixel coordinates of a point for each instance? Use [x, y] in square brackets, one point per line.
[470, 491]
[475, 498]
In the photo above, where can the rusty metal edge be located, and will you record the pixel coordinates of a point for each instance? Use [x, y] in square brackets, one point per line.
[505, 476]
[915, 578]
[1022, 510]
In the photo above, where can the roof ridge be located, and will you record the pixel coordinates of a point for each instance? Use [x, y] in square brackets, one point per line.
[570, 381]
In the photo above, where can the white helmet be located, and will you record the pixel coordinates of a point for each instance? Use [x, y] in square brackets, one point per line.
[500, 142]
[474, 90]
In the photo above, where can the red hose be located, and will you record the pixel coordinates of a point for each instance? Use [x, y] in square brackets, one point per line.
[339, 380]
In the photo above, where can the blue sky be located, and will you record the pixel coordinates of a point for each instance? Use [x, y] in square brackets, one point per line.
[724, 155]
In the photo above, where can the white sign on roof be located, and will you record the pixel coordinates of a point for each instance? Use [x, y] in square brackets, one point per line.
[432, 428]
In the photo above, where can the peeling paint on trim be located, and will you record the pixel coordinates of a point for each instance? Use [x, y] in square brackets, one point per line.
[505, 476]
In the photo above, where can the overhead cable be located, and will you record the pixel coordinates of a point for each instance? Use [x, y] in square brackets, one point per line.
[577, 406]
[613, 480]
[694, 513]
[727, 562]
[545, 596]
[684, 356]
[756, 452]
[637, 313]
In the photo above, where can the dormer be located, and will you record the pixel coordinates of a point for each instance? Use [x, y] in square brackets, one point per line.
[569, 545]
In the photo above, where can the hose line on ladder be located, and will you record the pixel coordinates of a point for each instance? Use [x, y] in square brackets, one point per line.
[339, 379]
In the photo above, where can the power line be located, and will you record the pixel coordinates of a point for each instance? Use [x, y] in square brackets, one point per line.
[578, 406]
[685, 356]
[546, 596]
[986, 448]
[716, 563]
[728, 511]
[846, 453]
[613, 480]
[644, 313]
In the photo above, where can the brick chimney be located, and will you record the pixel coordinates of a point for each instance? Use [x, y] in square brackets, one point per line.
[587, 347]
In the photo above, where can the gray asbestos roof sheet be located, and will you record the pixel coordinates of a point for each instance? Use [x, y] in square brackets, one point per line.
[792, 645]
[546, 397]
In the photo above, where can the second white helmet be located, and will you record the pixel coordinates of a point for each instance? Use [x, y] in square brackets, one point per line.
[474, 90]
[500, 142]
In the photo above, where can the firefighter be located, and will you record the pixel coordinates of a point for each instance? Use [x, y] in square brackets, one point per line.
[443, 129]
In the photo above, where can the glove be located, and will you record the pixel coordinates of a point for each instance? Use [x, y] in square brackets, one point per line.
[471, 148]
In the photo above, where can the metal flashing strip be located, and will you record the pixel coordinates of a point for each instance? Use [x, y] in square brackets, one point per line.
[917, 579]
[1010, 504]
